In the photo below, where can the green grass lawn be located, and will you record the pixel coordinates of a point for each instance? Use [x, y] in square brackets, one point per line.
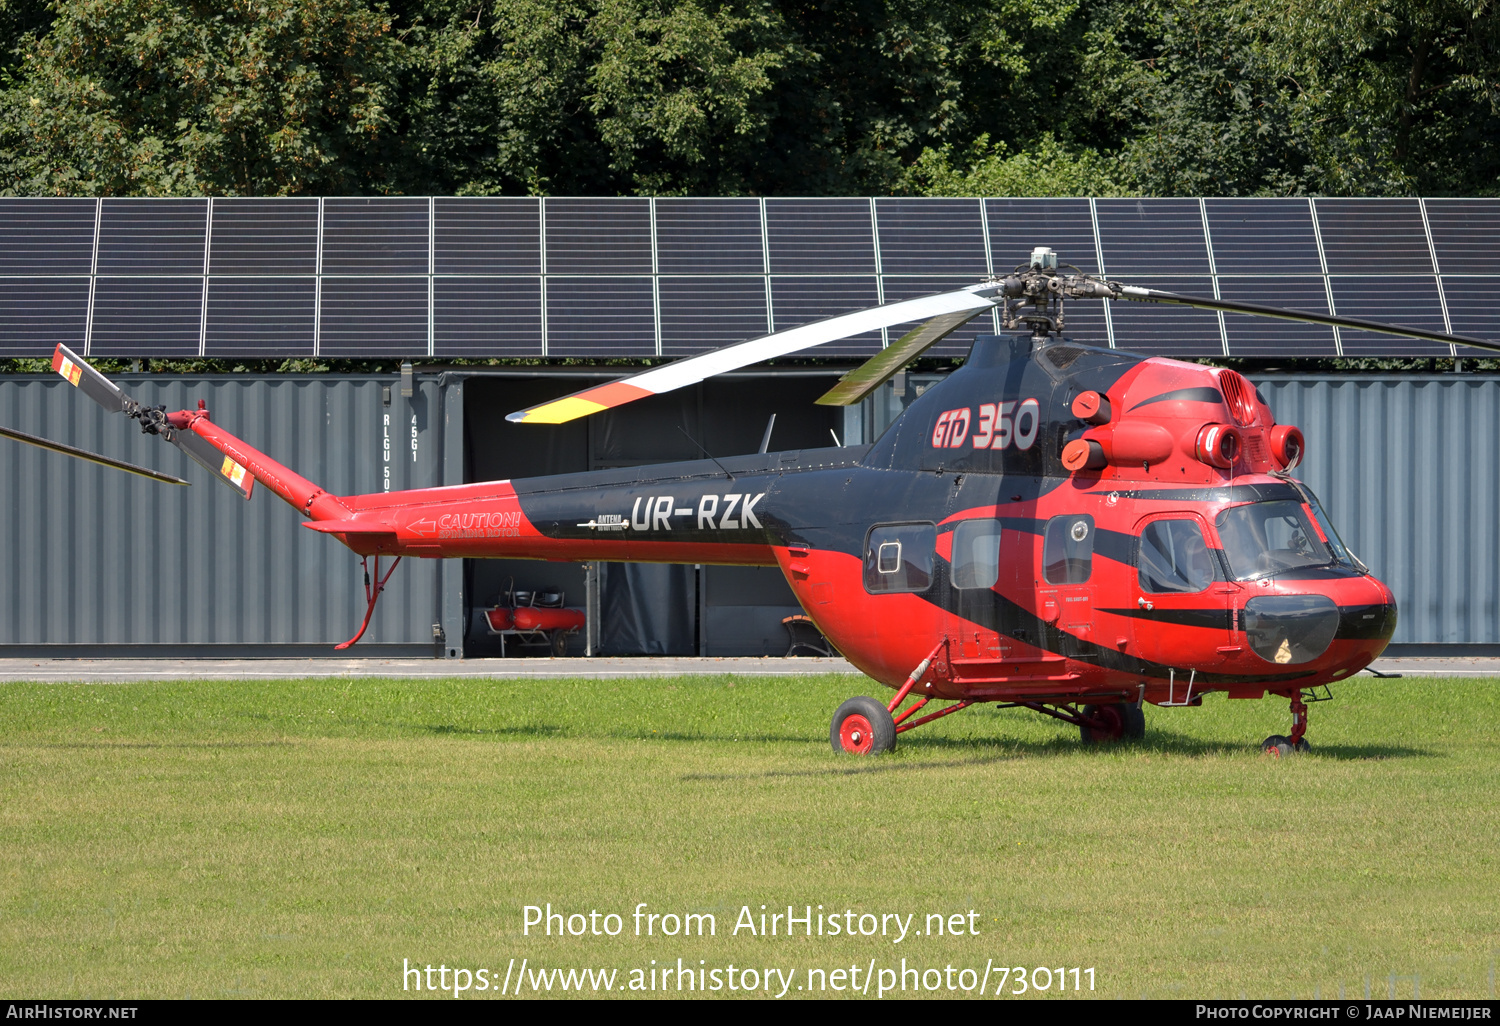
[302, 838]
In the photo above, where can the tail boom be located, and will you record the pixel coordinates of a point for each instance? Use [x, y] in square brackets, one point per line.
[289, 486]
[491, 520]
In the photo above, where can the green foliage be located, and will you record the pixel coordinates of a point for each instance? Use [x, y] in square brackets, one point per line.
[155, 98]
[1243, 97]
[734, 97]
[626, 96]
[1048, 169]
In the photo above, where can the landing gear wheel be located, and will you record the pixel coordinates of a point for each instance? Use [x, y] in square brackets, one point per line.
[1277, 746]
[1302, 746]
[862, 726]
[1119, 722]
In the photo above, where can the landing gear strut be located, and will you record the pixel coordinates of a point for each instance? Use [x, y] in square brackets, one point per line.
[1097, 724]
[1278, 746]
[865, 727]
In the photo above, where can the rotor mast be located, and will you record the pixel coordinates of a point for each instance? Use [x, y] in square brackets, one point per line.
[1033, 297]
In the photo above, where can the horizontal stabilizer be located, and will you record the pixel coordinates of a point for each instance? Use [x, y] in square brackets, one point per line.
[348, 527]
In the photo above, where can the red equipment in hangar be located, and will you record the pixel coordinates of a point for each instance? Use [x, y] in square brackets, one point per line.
[534, 617]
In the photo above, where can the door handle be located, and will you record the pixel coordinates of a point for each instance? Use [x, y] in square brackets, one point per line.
[1144, 604]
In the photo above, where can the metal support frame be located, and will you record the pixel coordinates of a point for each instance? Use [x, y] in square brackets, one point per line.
[372, 594]
[1065, 711]
[1172, 689]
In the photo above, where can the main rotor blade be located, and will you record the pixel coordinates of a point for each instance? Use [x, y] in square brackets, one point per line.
[89, 381]
[881, 367]
[1333, 320]
[694, 369]
[92, 457]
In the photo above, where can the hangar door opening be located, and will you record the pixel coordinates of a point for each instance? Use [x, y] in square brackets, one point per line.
[639, 609]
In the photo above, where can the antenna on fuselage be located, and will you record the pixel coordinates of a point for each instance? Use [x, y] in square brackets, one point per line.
[765, 439]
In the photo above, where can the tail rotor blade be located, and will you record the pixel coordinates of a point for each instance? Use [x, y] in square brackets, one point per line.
[201, 452]
[89, 381]
[92, 457]
[153, 420]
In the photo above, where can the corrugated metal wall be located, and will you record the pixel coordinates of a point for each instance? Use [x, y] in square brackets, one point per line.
[1407, 469]
[91, 556]
[1405, 465]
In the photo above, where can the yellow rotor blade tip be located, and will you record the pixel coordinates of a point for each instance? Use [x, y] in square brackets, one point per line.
[562, 411]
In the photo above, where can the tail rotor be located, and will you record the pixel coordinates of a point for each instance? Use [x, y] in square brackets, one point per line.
[154, 420]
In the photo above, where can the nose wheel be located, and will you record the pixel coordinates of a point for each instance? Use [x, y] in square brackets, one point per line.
[1279, 746]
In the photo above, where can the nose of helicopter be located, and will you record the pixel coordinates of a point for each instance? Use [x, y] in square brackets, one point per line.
[1355, 618]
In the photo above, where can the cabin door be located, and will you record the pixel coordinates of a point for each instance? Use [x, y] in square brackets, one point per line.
[1181, 619]
[1065, 592]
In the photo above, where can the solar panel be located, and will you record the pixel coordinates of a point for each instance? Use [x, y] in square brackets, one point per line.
[260, 316]
[820, 236]
[1152, 236]
[1464, 234]
[1084, 323]
[673, 276]
[375, 236]
[47, 236]
[1261, 336]
[709, 236]
[600, 317]
[1474, 306]
[799, 300]
[1412, 302]
[1263, 236]
[700, 313]
[598, 236]
[38, 313]
[479, 317]
[264, 236]
[147, 316]
[1374, 236]
[372, 317]
[152, 236]
[1168, 330]
[932, 237]
[488, 235]
[1017, 226]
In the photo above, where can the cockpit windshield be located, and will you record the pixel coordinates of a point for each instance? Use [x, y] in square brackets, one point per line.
[1265, 538]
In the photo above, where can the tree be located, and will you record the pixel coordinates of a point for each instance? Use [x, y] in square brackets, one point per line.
[246, 98]
[1341, 97]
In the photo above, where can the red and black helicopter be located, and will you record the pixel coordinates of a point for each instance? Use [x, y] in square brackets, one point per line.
[1064, 528]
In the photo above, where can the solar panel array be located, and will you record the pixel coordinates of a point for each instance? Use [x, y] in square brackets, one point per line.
[635, 277]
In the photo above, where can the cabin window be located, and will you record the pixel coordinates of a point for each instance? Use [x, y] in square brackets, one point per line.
[898, 557]
[1268, 537]
[1174, 557]
[1068, 549]
[976, 554]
